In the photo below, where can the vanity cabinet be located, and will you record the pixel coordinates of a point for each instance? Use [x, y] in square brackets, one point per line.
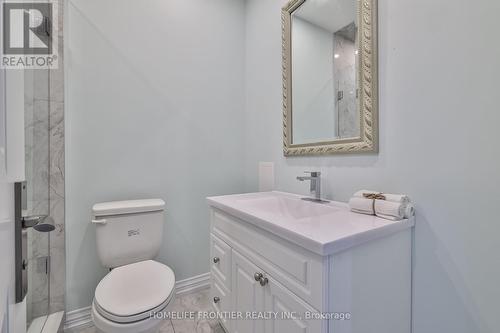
[264, 283]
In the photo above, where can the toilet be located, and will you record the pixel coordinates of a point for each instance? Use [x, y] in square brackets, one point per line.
[129, 236]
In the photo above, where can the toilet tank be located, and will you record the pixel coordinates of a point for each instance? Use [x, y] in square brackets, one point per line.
[128, 231]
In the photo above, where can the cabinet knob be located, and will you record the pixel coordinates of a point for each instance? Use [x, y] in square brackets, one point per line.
[216, 299]
[259, 277]
[263, 281]
[216, 260]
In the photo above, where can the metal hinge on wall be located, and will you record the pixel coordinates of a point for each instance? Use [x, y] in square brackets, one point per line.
[340, 95]
[43, 265]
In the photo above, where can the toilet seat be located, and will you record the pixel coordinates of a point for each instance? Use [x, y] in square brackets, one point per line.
[132, 292]
[134, 318]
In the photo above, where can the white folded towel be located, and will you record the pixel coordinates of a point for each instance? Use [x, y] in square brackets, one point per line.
[389, 197]
[361, 205]
[392, 210]
[410, 211]
[395, 206]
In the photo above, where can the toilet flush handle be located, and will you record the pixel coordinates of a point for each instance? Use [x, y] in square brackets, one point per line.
[100, 221]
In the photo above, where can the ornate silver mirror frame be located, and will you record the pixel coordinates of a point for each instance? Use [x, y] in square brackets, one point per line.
[367, 84]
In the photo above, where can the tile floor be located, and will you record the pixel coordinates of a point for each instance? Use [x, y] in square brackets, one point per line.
[186, 303]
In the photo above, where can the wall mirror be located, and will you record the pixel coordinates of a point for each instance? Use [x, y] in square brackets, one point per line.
[330, 77]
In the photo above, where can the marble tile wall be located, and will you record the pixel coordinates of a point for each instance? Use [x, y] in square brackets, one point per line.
[37, 175]
[44, 134]
[56, 177]
[38, 280]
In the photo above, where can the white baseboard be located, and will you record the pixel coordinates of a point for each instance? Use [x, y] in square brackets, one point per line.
[192, 284]
[80, 318]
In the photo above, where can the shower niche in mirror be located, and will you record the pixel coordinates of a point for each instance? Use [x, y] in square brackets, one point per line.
[330, 77]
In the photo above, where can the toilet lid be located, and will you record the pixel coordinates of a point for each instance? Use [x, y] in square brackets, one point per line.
[136, 288]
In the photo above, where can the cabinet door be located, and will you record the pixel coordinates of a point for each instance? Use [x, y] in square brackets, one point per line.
[221, 301]
[221, 260]
[248, 295]
[291, 311]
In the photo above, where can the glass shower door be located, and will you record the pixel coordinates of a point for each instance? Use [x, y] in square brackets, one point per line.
[36, 195]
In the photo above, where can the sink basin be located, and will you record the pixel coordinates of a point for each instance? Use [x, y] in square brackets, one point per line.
[323, 228]
[286, 207]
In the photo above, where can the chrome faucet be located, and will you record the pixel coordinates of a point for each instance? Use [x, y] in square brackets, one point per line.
[315, 178]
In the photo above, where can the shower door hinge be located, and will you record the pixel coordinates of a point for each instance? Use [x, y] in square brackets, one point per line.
[340, 95]
[43, 265]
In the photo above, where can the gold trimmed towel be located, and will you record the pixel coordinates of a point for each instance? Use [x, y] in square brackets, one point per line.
[402, 198]
[388, 206]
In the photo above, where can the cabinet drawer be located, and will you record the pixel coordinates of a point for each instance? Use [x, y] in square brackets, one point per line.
[220, 260]
[221, 300]
[296, 268]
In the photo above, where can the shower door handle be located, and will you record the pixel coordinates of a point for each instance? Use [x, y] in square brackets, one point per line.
[31, 221]
[41, 223]
[21, 245]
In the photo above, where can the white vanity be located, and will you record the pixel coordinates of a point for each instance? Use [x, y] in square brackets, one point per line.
[307, 267]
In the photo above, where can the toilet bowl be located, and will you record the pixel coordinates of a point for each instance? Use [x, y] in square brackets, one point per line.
[132, 297]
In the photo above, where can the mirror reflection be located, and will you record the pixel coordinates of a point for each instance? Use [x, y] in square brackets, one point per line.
[324, 53]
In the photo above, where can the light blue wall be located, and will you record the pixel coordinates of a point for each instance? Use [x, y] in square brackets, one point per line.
[439, 116]
[154, 96]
